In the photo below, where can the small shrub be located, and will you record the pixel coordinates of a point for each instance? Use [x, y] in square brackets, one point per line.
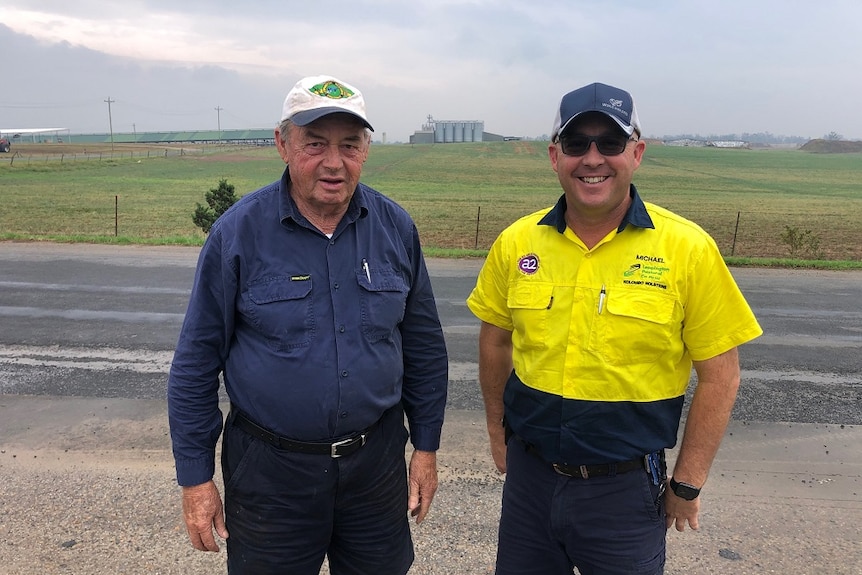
[798, 241]
[218, 201]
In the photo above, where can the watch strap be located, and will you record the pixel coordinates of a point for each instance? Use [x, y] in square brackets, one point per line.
[684, 490]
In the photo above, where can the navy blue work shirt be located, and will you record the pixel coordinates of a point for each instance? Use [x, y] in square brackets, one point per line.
[315, 337]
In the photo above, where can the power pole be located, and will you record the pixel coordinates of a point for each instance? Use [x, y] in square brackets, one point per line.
[218, 110]
[110, 121]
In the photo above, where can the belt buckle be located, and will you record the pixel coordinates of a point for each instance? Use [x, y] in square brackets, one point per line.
[582, 469]
[333, 451]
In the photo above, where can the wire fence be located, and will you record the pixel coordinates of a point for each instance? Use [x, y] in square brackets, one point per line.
[18, 158]
[474, 223]
[760, 234]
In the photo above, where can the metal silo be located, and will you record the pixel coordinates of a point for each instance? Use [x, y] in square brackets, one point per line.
[468, 131]
[438, 133]
[449, 131]
[478, 130]
[459, 132]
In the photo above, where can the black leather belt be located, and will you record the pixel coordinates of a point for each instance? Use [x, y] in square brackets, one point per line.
[338, 448]
[598, 469]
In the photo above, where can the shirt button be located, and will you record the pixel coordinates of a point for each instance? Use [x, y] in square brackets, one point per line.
[588, 255]
[335, 285]
[341, 329]
[344, 373]
[343, 414]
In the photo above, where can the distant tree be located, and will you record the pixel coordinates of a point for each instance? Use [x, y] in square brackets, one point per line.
[834, 136]
[218, 201]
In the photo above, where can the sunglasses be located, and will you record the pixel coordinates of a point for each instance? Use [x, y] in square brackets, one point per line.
[606, 144]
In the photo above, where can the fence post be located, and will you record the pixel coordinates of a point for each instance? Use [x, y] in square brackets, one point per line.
[735, 232]
[116, 215]
[478, 212]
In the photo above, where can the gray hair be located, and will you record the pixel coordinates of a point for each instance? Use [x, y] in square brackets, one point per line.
[284, 130]
[285, 126]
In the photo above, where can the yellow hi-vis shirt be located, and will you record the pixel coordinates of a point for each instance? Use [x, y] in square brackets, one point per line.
[603, 339]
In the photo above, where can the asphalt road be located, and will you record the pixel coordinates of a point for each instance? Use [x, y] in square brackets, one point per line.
[86, 480]
[99, 321]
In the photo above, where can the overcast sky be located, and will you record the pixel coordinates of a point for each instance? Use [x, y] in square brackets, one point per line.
[702, 67]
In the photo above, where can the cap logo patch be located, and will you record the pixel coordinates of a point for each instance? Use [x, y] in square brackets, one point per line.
[332, 90]
[615, 105]
[529, 264]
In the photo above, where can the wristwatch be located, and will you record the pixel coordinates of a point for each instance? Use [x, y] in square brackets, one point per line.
[684, 490]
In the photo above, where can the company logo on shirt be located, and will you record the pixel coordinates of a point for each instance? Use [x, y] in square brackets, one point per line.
[647, 271]
[529, 264]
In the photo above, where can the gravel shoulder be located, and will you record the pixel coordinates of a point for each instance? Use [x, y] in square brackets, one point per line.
[88, 488]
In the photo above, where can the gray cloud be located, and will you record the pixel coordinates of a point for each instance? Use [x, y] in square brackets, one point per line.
[786, 67]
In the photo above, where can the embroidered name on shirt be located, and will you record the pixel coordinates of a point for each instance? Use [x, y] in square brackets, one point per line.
[654, 259]
[300, 278]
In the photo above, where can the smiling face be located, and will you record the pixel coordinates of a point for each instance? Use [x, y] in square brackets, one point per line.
[324, 160]
[596, 185]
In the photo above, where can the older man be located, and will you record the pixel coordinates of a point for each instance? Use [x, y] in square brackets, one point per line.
[312, 300]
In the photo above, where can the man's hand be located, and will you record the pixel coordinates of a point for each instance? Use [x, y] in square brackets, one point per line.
[497, 435]
[679, 511]
[423, 483]
[203, 511]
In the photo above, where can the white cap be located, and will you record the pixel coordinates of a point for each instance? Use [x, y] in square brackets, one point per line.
[317, 96]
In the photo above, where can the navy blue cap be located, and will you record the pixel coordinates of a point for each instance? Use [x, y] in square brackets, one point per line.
[615, 103]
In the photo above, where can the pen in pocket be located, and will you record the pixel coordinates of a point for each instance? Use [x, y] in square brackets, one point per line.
[602, 296]
[367, 269]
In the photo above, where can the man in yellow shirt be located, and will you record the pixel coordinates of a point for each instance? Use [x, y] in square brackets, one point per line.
[593, 313]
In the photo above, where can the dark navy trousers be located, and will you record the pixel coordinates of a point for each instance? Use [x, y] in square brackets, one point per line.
[551, 523]
[286, 511]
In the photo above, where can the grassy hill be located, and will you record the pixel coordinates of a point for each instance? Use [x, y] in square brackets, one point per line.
[461, 195]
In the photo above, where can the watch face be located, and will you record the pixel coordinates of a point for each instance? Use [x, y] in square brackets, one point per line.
[685, 491]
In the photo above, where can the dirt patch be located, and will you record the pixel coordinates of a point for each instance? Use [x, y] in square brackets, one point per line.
[230, 157]
[820, 146]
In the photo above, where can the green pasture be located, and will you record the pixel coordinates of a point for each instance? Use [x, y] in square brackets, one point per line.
[461, 195]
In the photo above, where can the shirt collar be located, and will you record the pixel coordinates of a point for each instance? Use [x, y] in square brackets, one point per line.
[290, 212]
[636, 215]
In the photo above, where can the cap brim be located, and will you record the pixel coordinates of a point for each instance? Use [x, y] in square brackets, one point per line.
[629, 130]
[306, 117]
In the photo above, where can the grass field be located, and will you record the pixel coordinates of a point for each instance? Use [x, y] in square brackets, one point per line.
[461, 195]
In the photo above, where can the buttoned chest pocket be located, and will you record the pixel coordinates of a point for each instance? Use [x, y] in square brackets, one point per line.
[530, 304]
[637, 327]
[382, 303]
[281, 309]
